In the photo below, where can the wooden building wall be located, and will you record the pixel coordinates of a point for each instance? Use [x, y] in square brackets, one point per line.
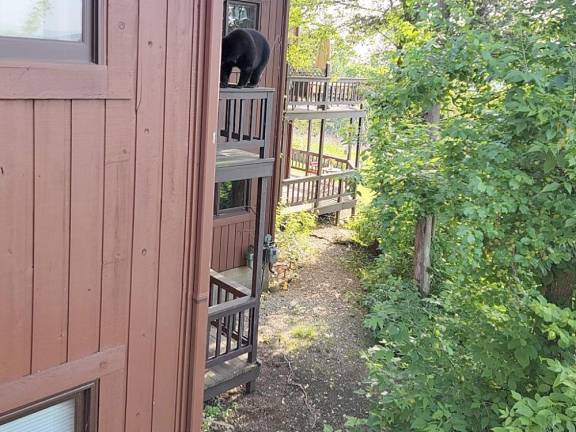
[228, 252]
[106, 187]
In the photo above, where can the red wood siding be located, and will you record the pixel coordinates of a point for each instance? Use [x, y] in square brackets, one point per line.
[106, 190]
[228, 252]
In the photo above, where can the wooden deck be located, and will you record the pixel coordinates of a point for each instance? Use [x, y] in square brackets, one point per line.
[232, 322]
[228, 375]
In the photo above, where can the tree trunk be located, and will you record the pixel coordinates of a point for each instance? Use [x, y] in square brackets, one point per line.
[423, 253]
[425, 226]
[560, 286]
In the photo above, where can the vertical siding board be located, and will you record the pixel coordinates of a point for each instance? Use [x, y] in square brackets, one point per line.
[116, 255]
[16, 237]
[147, 214]
[87, 185]
[170, 287]
[217, 235]
[224, 248]
[246, 235]
[232, 251]
[122, 42]
[240, 257]
[51, 233]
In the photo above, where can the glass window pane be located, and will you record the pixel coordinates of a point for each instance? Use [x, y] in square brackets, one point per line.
[242, 15]
[57, 418]
[42, 19]
[233, 195]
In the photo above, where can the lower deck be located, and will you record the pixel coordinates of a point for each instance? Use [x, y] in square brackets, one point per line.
[229, 374]
[231, 359]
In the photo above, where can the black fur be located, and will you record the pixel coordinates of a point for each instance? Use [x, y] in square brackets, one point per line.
[247, 50]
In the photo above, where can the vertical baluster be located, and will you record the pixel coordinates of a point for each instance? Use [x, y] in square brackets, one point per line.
[226, 323]
[218, 336]
[241, 117]
[241, 330]
[250, 134]
[208, 357]
[228, 120]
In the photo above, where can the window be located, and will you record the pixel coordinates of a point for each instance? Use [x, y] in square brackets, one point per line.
[241, 14]
[231, 196]
[48, 30]
[74, 411]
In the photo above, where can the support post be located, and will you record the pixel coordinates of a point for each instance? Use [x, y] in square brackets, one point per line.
[320, 162]
[308, 147]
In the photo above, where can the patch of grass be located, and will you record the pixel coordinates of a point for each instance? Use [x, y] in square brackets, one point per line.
[298, 337]
[216, 411]
[304, 332]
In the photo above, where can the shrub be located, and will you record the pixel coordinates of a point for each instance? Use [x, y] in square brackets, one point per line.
[487, 351]
[292, 237]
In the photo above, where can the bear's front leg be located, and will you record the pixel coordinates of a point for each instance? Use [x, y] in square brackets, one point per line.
[225, 73]
[245, 76]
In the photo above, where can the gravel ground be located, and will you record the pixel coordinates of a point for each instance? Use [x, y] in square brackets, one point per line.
[311, 337]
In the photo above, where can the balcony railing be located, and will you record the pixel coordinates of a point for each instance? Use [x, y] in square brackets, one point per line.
[245, 116]
[231, 318]
[338, 188]
[323, 91]
[306, 161]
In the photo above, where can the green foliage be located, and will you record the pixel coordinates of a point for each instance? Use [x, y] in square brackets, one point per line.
[487, 351]
[216, 411]
[292, 235]
[459, 361]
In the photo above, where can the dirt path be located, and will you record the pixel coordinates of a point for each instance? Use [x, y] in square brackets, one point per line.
[311, 336]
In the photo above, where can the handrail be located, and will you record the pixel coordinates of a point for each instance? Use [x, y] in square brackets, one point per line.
[327, 79]
[230, 308]
[314, 156]
[343, 174]
[229, 285]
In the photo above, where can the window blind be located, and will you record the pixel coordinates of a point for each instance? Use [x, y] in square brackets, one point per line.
[57, 418]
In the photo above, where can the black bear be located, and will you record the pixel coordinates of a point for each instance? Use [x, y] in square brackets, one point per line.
[247, 50]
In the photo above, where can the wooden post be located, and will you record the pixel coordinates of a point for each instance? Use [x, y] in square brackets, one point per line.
[308, 147]
[425, 225]
[320, 162]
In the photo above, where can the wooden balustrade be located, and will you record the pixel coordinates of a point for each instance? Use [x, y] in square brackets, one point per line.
[306, 161]
[231, 318]
[324, 91]
[244, 117]
[304, 190]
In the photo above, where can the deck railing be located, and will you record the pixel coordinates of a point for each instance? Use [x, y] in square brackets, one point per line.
[231, 318]
[313, 189]
[307, 162]
[322, 91]
[244, 117]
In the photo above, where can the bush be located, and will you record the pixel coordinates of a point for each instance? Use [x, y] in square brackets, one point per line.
[469, 359]
[487, 351]
[292, 237]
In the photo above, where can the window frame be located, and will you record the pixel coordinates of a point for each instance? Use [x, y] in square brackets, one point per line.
[86, 407]
[58, 51]
[257, 3]
[232, 210]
